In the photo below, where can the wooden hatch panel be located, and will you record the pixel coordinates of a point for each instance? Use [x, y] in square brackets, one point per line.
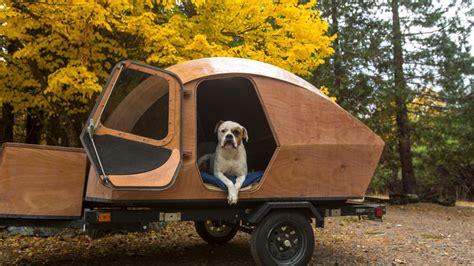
[41, 181]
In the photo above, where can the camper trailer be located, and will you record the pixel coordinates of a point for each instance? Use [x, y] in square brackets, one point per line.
[149, 127]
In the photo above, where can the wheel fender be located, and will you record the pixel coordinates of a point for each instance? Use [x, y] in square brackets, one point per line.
[260, 212]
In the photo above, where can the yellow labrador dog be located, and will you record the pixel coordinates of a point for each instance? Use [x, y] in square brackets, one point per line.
[230, 158]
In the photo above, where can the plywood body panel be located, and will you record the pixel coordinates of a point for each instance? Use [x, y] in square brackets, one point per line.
[210, 67]
[320, 171]
[41, 181]
[301, 118]
[323, 152]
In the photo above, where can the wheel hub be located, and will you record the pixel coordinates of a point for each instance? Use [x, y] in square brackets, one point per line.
[284, 242]
[217, 228]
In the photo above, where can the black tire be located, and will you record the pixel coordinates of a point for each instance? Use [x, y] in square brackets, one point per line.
[283, 238]
[216, 232]
[97, 233]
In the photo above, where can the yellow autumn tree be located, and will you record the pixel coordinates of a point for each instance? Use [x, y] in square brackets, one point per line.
[287, 34]
[56, 55]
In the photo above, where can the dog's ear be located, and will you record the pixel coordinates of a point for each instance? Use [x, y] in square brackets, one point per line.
[218, 125]
[246, 135]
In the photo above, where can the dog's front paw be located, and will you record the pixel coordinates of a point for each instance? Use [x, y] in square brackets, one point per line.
[232, 197]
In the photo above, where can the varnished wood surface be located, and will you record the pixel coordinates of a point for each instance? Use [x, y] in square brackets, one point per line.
[297, 171]
[215, 66]
[38, 180]
[323, 151]
[320, 171]
[41, 147]
[299, 117]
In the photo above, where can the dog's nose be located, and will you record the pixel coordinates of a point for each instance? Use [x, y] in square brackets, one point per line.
[228, 136]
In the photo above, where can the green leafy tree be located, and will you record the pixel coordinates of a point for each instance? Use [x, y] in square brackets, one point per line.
[432, 100]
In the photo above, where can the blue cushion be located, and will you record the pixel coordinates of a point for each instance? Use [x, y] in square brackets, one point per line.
[250, 179]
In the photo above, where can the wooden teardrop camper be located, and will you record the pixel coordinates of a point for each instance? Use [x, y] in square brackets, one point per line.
[306, 144]
[147, 130]
[149, 126]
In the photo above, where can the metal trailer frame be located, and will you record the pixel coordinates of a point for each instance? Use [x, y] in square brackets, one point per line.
[137, 218]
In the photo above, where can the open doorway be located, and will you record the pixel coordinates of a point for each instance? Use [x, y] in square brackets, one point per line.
[234, 99]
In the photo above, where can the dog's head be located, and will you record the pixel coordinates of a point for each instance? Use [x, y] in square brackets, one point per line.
[230, 134]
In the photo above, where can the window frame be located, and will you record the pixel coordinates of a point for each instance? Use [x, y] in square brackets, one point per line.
[173, 89]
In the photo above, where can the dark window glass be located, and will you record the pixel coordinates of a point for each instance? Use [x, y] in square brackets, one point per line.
[139, 104]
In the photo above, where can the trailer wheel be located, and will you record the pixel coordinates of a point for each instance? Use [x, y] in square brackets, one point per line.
[283, 238]
[216, 232]
[97, 233]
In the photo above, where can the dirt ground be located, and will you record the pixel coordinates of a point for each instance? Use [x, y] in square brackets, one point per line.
[413, 234]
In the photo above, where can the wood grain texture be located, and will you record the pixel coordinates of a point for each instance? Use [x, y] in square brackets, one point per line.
[40, 180]
[297, 171]
[320, 171]
[215, 66]
[300, 117]
[323, 151]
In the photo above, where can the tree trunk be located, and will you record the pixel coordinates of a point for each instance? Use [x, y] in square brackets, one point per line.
[6, 133]
[337, 53]
[401, 95]
[33, 129]
[72, 136]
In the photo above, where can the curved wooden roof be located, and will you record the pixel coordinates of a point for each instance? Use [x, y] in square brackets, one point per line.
[199, 68]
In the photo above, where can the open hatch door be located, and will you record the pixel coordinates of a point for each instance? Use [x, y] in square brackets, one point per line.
[133, 136]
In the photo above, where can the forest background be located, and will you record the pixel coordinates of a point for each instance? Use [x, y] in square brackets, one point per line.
[405, 68]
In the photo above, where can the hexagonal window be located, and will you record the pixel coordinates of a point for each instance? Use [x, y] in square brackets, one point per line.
[233, 99]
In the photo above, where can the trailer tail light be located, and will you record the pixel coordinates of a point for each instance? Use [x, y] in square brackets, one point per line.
[379, 212]
[104, 217]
